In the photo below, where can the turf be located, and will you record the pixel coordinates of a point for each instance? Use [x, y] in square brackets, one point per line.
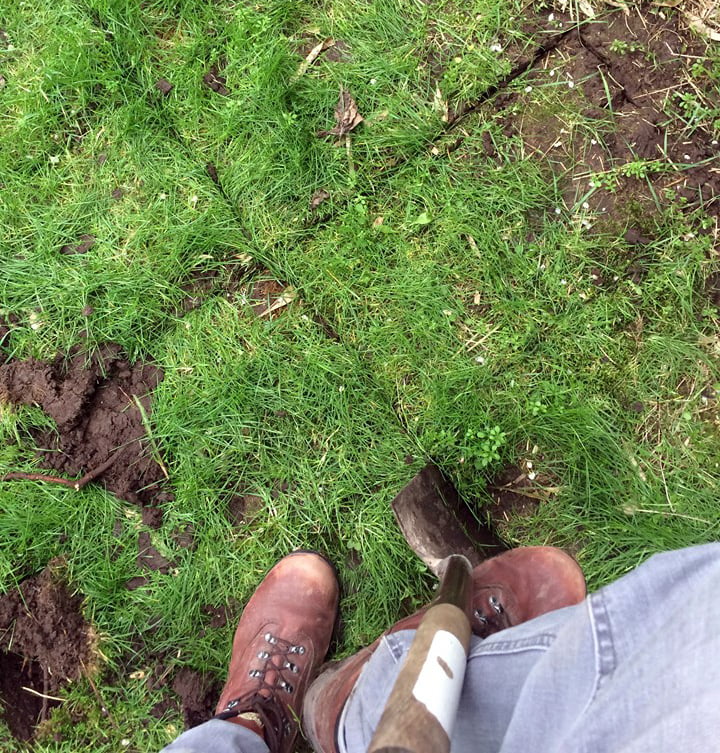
[451, 303]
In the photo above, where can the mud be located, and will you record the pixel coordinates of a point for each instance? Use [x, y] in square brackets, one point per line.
[94, 404]
[44, 643]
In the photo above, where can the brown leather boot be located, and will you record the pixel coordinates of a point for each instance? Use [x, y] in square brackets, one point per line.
[508, 589]
[280, 642]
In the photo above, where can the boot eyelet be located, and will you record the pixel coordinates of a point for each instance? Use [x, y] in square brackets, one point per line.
[482, 619]
[255, 673]
[270, 638]
[292, 667]
[297, 650]
[263, 655]
[286, 686]
[496, 605]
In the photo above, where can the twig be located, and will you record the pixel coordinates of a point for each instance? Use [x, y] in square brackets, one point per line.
[75, 484]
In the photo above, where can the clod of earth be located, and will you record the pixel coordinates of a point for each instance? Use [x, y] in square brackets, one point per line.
[44, 643]
[87, 241]
[98, 406]
[163, 86]
[215, 81]
[149, 557]
[347, 117]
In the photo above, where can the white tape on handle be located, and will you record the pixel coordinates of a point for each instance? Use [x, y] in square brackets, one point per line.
[440, 681]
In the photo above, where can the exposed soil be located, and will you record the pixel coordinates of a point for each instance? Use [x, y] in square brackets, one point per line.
[94, 404]
[199, 692]
[243, 508]
[516, 493]
[267, 296]
[626, 75]
[149, 557]
[44, 643]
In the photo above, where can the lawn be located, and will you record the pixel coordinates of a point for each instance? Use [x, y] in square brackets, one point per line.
[505, 262]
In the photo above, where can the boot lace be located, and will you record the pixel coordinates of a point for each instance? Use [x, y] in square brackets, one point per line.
[278, 661]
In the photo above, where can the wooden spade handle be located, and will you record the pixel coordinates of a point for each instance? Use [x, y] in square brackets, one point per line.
[421, 710]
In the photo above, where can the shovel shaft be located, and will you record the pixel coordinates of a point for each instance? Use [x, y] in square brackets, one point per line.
[421, 710]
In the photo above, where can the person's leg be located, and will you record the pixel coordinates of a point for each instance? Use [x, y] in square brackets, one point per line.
[281, 639]
[509, 589]
[633, 668]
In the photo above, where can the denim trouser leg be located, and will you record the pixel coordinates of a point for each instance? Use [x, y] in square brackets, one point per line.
[217, 736]
[634, 668]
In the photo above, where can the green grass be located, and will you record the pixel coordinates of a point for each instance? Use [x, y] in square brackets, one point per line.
[470, 326]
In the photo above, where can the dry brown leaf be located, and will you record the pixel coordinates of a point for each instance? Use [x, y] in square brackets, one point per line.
[312, 56]
[347, 117]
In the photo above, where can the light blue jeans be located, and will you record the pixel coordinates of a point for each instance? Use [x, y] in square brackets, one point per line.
[634, 668]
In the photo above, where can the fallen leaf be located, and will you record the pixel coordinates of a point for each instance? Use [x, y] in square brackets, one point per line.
[312, 56]
[696, 23]
[423, 219]
[378, 221]
[347, 117]
[318, 197]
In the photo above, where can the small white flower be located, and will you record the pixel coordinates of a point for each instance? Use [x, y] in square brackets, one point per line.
[373, 81]
[163, 196]
[532, 475]
[571, 84]
[592, 184]
[551, 17]
[480, 360]
[528, 89]
[448, 312]
[54, 159]
[714, 142]
[686, 156]
[542, 267]
[496, 47]
[341, 389]
[563, 281]
[558, 210]
[585, 205]
[593, 142]
[552, 72]
[125, 742]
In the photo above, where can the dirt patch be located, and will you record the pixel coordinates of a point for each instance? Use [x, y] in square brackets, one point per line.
[627, 77]
[267, 296]
[99, 407]
[517, 492]
[242, 508]
[199, 692]
[44, 643]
